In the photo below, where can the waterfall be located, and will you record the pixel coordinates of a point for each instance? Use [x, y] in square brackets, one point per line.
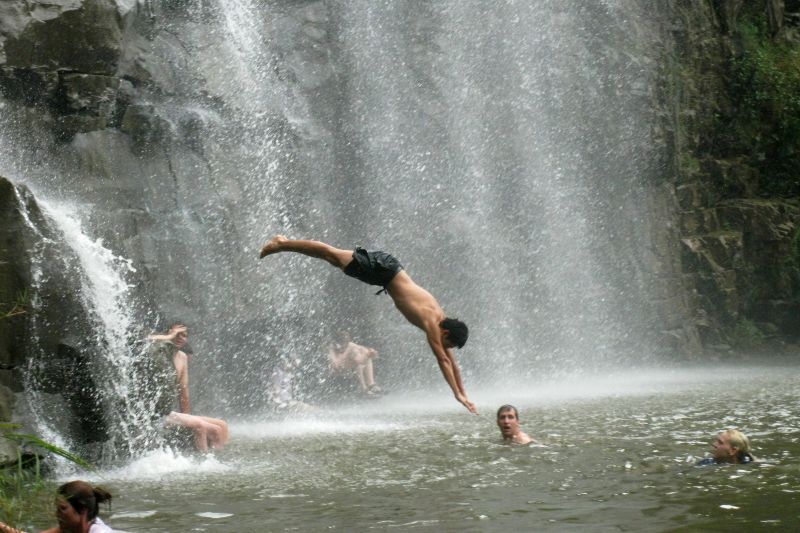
[106, 298]
[63, 258]
[503, 152]
[104, 290]
[496, 145]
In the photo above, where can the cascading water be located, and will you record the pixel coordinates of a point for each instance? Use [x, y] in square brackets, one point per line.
[506, 118]
[492, 148]
[111, 375]
[105, 295]
[36, 402]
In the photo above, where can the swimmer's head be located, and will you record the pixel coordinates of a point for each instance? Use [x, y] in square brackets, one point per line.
[341, 339]
[508, 421]
[81, 497]
[456, 332]
[731, 446]
[508, 407]
[181, 338]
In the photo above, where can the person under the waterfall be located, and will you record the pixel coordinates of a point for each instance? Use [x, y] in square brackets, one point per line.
[508, 422]
[344, 354]
[171, 378]
[729, 447]
[77, 507]
[416, 304]
[281, 387]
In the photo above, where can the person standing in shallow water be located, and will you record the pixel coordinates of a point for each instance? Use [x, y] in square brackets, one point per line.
[415, 303]
[508, 422]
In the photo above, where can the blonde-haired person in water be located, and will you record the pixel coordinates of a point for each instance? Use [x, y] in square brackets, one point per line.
[77, 505]
[730, 446]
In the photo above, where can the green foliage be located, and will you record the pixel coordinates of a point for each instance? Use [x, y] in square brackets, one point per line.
[689, 164]
[793, 264]
[23, 490]
[765, 122]
[24, 493]
[18, 307]
[32, 440]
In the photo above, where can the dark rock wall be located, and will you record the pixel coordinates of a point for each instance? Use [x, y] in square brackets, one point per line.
[64, 57]
[736, 168]
[14, 278]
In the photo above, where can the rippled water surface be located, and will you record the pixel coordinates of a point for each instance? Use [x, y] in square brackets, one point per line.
[617, 454]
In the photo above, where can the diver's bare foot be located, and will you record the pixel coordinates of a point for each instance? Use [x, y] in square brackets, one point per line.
[272, 246]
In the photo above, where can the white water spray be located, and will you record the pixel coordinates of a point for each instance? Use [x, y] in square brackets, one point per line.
[107, 300]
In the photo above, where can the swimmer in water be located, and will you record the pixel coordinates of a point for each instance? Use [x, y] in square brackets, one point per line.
[731, 447]
[508, 422]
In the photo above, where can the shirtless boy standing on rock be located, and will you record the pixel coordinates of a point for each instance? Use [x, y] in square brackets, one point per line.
[415, 303]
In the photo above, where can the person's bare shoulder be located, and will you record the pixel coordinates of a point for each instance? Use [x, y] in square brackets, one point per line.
[523, 438]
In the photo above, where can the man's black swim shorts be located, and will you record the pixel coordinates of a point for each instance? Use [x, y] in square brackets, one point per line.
[375, 268]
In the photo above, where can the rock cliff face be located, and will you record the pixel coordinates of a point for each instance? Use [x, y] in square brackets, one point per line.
[731, 90]
[137, 107]
[14, 278]
[64, 57]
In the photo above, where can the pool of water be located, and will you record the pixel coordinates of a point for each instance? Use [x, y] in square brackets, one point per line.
[617, 454]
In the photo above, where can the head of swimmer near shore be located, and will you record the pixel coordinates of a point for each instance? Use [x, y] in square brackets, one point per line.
[77, 504]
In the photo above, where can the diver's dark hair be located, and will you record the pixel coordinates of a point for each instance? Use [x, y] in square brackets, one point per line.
[508, 407]
[81, 495]
[458, 331]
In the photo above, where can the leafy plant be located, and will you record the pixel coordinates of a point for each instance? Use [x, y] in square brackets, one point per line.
[766, 94]
[33, 440]
[23, 493]
[18, 307]
[23, 490]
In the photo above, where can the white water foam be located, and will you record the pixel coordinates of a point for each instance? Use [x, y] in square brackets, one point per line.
[104, 276]
[390, 413]
[162, 464]
[209, 514]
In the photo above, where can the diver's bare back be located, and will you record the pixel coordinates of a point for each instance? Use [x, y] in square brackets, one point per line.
[415, 303]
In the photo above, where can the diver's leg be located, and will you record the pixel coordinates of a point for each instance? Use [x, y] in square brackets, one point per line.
[335, 256]
[369, 374]
[361, 379]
